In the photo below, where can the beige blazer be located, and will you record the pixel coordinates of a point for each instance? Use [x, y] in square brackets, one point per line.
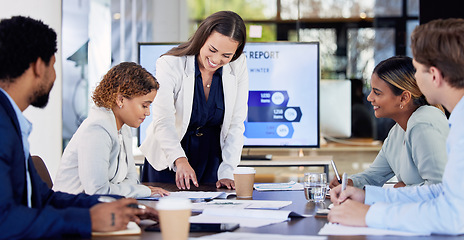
[172, 109]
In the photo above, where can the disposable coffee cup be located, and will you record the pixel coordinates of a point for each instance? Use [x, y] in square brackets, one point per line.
[244, 178]
[174, 214]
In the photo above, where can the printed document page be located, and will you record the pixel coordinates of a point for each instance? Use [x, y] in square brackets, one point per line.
[256, 236]
[252, 218]
[132, 229]
[337, 229]
[241, 204]
[193, 195]
[290, 186]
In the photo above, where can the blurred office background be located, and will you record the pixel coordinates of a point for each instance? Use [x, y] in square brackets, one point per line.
[354, 35]
[95, 35]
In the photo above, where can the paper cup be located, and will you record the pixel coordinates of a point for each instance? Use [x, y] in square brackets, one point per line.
[244, 178]
[174, 214]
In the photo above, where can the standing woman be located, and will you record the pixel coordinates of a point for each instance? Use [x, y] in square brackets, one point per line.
[98, 159]
[415, 148]
[197, 133]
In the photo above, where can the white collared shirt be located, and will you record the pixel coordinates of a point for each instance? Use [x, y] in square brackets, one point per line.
[436, 208]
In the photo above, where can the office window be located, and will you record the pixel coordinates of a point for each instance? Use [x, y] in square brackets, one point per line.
[354, 34]
[388, 8]
[413, 8]
[247, 9]
[255, 12]
[360, 53]
[332, 67]
[326, 9]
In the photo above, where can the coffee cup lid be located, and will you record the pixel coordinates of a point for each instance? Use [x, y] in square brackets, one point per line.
[244, 170]
[173, 203]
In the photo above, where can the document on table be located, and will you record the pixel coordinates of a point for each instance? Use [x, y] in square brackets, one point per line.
[337, 229]
[132, 229]
[193, 195]
[256, 236]
[240, 204]
[252, 218]
[290, 186]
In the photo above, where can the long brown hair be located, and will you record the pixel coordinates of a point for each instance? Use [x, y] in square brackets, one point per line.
[226, 23]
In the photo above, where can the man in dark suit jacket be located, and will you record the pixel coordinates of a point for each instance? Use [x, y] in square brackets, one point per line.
[28, 208]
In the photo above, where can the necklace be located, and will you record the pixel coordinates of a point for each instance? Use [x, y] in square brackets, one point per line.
[208, 85]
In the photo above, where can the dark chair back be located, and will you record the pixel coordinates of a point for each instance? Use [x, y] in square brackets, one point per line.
[42, 170]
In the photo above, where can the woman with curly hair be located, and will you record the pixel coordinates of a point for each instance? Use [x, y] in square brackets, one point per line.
[98, 159]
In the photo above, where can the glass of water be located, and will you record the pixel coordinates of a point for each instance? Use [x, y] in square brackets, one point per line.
[315, 186]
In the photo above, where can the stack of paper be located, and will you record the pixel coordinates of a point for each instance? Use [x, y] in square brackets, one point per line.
[194, 195]
[337, 229]
[132, 229]
[290, 186]
[241, 204]
[258, 236]
[252, 218]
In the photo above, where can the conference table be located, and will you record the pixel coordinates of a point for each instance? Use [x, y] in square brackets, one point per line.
[309, 226]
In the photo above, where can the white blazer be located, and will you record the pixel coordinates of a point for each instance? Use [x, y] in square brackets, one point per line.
[172, 109]
[90, 161]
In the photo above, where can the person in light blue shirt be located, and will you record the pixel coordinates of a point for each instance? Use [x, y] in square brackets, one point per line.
[415, 150]
[438, 49]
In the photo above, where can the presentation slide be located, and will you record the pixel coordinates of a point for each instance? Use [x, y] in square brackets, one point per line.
[283, 98]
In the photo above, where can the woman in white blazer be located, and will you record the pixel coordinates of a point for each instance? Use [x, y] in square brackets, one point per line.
[98, 159]
[197, 133]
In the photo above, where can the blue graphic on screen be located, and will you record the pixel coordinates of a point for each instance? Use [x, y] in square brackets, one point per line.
[283, 104]
[269, 116]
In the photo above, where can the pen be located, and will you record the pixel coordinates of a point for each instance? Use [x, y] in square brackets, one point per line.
[336, 172]
[107, 199]
[199, 200]
[344, 180]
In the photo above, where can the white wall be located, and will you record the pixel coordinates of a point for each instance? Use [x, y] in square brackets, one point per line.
[46, 137]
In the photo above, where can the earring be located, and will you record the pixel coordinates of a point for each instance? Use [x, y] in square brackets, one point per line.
[120, 106]
[401, 106]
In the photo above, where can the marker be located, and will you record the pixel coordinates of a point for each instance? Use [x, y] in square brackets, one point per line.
[107, 199]
[344, 180]
[336, 172]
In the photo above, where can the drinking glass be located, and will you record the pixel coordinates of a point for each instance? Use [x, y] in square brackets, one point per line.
[315, 186]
